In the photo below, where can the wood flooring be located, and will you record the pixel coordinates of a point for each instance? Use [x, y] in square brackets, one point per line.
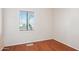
[47, 45]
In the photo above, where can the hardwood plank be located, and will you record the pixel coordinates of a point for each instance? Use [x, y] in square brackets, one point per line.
[21, 47]
[47, 45]
[59, 46]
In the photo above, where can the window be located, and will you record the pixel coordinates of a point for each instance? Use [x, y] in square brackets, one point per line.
[26, 20]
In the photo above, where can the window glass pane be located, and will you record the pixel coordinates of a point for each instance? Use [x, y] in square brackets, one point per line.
[30, 19]
[23, 18]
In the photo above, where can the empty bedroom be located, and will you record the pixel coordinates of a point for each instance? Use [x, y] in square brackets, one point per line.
[39, 29]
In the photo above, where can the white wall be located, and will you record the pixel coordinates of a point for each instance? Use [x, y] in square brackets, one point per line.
[1, 39]
[0, 21]
[66, 26]
[42, 30]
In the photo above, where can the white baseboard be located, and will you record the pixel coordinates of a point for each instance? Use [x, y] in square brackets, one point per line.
[66, 43]
[27, 42]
